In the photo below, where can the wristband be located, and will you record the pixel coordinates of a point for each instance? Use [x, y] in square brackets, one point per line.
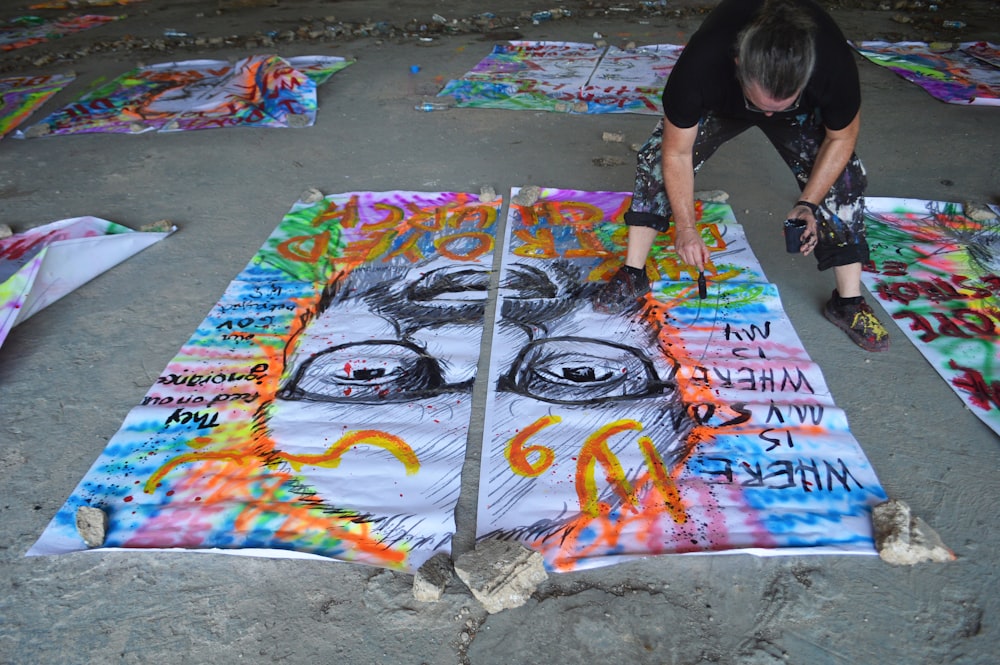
[813, 208]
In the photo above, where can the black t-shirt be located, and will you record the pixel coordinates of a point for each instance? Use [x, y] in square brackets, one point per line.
[704, 77]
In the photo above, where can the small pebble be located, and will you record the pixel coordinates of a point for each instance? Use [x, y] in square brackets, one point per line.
[161, 226]
[608, 160]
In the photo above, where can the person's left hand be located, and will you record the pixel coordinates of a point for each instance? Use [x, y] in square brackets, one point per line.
[811, 235]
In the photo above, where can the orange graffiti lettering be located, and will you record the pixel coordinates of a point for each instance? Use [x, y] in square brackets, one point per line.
[483, 243]
[308, 249]
[517, 453]
[542, 246]
[347, 216]
[595, 450]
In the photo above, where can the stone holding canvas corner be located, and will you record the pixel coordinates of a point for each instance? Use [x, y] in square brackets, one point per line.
[903, 539]
[501, 574]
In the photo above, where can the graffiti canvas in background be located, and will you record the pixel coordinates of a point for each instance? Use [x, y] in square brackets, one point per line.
[567, 77]
[43, 264]
[322, 407]
[690, 425]
[966, 73]
[937, 272]
[78, 4]
[29, 30]
[21, 95]
[258, 91]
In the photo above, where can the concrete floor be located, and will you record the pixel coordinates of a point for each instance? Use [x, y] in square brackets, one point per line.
[70, 374]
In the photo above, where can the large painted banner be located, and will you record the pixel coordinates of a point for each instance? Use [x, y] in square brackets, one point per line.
[693, 425]
[322, 407]
[29, 30]
[21, 95]
[567, 77]
[968, 73]
[258, 91]
[937, 272]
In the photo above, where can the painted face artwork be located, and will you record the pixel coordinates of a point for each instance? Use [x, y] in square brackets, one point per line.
[258, 91]
[324, 405]
[936, 270]
[395, 356]
[688, 426]
[567, 77]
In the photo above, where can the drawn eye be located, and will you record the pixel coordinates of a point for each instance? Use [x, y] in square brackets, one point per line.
[575, 369]
[452, 283]
[366, 372]
[571, 370]
[343, 368]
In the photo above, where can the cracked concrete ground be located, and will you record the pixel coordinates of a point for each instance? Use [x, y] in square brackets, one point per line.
[70, 374]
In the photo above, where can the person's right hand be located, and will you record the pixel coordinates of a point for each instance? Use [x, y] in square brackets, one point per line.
[691, 249]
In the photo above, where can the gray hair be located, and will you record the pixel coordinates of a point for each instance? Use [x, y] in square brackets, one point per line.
[777, 51]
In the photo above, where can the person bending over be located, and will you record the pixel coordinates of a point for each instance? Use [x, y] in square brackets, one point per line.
[783, 66]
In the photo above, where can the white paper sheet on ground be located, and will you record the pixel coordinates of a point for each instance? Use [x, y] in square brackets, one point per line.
[43, 264]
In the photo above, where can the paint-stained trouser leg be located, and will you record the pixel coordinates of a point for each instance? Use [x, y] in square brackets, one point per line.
[650, 206]
[841, 221]
[797, 138]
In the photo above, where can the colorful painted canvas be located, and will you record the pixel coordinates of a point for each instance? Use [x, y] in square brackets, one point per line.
[567, 77]
[965, 74]
[692, 425]
[22, 95]
[937, 272]
[258, 91]
[43, 264]
[322, 407]
[81, 4]
[984, 51]
[28, 30]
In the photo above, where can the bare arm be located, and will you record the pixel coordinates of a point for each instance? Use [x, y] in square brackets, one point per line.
[834, 153]
[678, 179]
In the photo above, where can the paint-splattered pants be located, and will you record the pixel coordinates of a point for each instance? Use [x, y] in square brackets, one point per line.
[797, 138]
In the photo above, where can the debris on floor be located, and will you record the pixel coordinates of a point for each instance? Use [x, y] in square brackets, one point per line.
[431, 579]
[902, 539]
[501, 574]
[608, 160]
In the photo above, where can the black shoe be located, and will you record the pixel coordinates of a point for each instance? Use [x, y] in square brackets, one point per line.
[623, 291]
[859, 322]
